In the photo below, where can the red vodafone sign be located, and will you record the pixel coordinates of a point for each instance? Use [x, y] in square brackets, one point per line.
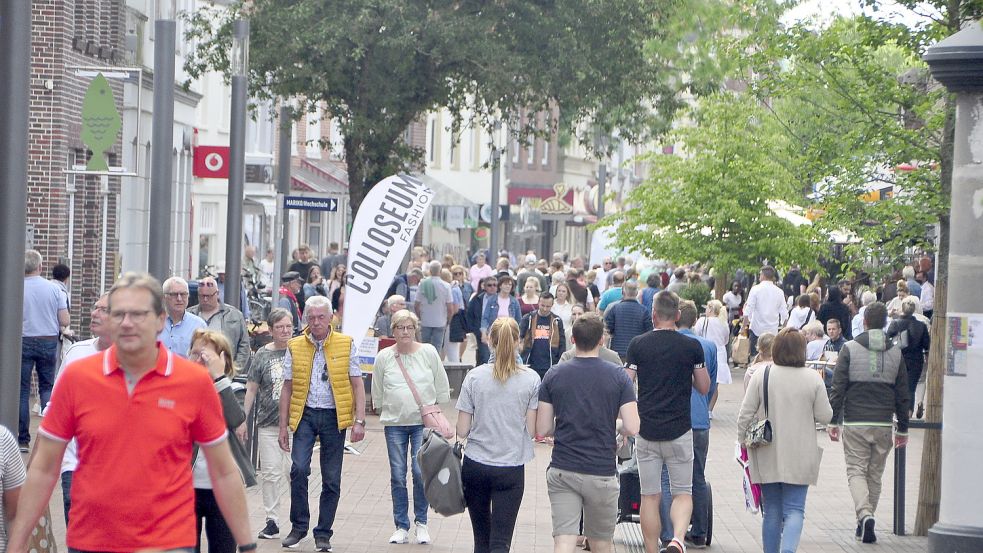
[212, 162]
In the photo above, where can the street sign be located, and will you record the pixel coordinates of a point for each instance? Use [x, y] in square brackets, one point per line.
[310, 204]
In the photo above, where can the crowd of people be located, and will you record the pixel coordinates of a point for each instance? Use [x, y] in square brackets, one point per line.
[638, 349]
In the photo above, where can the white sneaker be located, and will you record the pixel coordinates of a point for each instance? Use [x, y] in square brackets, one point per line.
[401, 535]
[422, 534]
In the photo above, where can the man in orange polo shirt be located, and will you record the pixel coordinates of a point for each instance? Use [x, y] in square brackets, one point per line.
[136, 410]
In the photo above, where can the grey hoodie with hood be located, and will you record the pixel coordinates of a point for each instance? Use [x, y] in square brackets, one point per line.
[870, 383]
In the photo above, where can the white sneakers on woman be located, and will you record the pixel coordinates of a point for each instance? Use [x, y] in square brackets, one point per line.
[402, 535]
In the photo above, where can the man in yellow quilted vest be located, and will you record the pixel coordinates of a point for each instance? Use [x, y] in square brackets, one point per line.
[322, 397]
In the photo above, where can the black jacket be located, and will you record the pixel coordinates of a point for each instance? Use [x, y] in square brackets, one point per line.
[918, 341]
[870, 383]
[472, 315]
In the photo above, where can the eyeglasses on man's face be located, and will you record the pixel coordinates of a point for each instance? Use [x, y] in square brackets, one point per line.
[207, 296]
[136, 317]
[409, 328]
[181, 295]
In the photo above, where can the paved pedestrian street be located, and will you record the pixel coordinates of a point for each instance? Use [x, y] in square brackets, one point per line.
[364, 521]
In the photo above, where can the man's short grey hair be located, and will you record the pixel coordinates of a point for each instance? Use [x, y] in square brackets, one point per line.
[172, 281]
[417, 272]
[317, 302]
[394, 299]
[630, 289]
[814, 329]
[868, 298]
[142, 281]
[435, 268]
[32, 261]
[908, 272]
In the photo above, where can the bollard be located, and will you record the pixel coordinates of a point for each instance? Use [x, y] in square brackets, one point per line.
[900, 458]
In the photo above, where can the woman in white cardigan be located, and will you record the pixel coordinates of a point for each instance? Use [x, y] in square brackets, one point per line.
[787, 466]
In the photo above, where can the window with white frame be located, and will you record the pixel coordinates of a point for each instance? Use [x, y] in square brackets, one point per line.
[313, 149]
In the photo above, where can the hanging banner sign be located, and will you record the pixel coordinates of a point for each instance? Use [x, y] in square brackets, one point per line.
[211, 162]
[383, 231]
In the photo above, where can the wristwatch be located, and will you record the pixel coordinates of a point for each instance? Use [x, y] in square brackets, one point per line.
[360, 422]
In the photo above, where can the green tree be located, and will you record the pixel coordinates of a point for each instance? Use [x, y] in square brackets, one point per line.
[854, 106]
[717, 200]
[379, 65]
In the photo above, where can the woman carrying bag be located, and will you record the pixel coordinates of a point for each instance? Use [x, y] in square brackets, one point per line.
[497, 415]
[395, 398]
[790, 399]
[211, 349]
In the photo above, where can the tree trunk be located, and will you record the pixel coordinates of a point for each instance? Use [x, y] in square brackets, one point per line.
[356, 175]
[930, 485]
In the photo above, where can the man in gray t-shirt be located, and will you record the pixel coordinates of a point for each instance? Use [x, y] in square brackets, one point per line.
[434, 305]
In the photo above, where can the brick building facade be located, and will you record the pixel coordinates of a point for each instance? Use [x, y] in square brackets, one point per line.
[65, 213]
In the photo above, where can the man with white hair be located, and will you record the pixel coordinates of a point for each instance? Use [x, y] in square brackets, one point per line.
[914, 287]
[179, 324]
[224, 318]
[45, 314]
[857, 324]
[435, 307]
[529, 271]
[383, 323]
[815, 340]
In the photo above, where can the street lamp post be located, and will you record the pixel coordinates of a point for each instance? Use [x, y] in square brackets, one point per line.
[282, 189]
[495, 211]
[239, 59]
[15, 66]
[162, 142]
[957, 63]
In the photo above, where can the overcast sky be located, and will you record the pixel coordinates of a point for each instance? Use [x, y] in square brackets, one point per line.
[821, 11]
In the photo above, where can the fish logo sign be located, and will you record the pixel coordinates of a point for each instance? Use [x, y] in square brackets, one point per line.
[101, 122]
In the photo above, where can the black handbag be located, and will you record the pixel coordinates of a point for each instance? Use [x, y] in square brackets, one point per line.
[759, 432]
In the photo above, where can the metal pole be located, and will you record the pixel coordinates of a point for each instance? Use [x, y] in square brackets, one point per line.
[282, 188]
[495, 210]
[162, 148]
[602, 181]
[237, 169]
[15, 66]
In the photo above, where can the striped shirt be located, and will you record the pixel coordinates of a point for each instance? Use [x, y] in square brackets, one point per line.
[12, 475]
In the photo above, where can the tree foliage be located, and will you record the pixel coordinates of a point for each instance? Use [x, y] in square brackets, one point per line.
[857, 106]
[717, 200]
[378, 65]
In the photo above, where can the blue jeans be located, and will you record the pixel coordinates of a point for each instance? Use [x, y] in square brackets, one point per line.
[37, 354]
[701, 500]
[433, 335]
[398, 440]
[784, 509]
[323, 424]
[66, 492]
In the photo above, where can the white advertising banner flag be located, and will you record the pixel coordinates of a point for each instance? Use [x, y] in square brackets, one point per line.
[383, 230]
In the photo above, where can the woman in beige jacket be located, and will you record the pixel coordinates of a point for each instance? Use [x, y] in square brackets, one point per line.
[787, 466]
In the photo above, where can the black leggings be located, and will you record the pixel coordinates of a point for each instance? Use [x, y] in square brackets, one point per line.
[220, 538]
[493, 496]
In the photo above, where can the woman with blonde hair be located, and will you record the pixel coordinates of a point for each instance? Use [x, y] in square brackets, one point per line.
[399, 415]
[763, 359]
[211, 349]
[497, 415]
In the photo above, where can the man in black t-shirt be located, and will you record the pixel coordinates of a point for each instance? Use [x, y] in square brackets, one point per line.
[584, 397]
[667, 366]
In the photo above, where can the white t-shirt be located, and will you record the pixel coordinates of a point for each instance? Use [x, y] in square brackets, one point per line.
[74, 352]
[799, 316]
[765, 308]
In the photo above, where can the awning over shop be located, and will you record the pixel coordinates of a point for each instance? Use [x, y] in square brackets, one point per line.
[443, 194]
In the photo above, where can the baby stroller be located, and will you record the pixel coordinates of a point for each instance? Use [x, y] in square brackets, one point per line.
[630, 498]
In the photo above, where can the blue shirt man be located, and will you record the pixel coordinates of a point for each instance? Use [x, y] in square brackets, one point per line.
[179, 325]
[45, 313]
[700, 418]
